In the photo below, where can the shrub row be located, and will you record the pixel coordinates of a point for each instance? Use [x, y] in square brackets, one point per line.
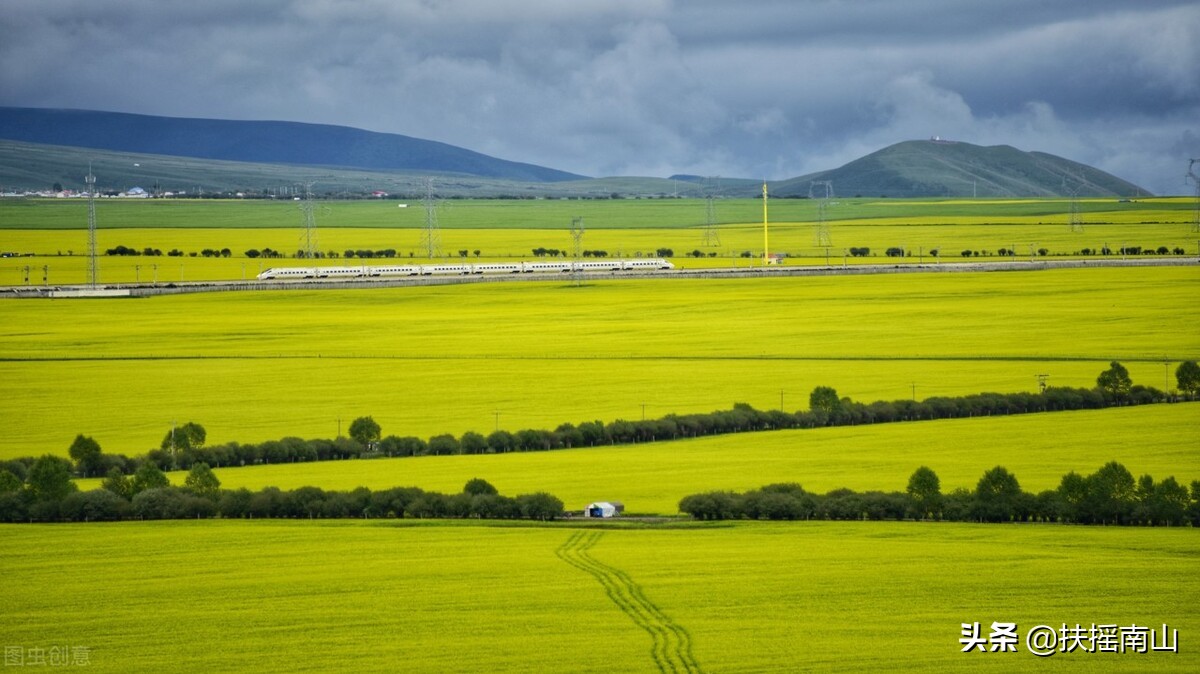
[151, 497]
[1108, 496]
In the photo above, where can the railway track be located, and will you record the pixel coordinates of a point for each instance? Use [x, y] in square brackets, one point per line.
[149, 290]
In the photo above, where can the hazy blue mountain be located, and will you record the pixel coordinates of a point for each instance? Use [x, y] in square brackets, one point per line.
[261, 142]
[40, 147]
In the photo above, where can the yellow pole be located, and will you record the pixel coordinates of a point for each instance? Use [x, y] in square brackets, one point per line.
[765, 249]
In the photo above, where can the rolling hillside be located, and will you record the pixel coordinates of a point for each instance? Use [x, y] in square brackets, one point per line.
[39, 148]
[928, 168]
[258, 142]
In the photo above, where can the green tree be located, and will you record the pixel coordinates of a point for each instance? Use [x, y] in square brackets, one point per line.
[148, 476]
[1112, 493]
[713, 505]
[365, 431]
[1167, 503]
[1193, 509]
[925, 492]
[116, 482]
[443, 444]
[996, 496]
[473, 443]
[540, 506]
[500, 441]
[50, 478]
[86, 453]
[478, 487]
[824, 403]
[202, 482]
[1115, 381]
[188, 436]
[1072, 495]
[1187, 376]
[9, 482]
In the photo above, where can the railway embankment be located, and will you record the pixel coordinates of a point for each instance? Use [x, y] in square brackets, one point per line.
[781, 271]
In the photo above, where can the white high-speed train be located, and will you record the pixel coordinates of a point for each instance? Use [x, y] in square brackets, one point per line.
[361, 271]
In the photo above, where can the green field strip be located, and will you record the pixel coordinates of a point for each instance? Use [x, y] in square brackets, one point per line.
[672, 644]
[984, 358]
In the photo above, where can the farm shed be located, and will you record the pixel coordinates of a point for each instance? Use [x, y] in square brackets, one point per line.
[604, 509]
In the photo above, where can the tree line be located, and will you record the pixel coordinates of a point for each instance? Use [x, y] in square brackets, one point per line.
[184, 446]
[1111, 495]
[50, 495]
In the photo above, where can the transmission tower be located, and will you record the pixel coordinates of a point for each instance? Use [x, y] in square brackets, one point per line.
[712, 237]
[431, 239]
[1073, 218]
[577, 236]
[93, 272]
[1195, 179]
[822, 190]
[310, 223]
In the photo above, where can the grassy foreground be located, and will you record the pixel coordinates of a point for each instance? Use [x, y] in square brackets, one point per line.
[313, 596]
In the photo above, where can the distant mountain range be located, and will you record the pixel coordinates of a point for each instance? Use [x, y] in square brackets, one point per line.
[259, 142]
[40, 147]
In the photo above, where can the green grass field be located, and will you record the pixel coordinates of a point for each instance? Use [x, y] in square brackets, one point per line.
[461, 596]
[55, 231]
[651, 478]
[421, 361]
[39, 214]
[321, 596]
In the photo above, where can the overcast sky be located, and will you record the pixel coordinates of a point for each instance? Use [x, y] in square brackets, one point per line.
[753, 88]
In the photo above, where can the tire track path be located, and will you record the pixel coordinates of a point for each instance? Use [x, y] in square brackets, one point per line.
[672, 644]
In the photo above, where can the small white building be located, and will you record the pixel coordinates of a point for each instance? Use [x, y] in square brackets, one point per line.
[604, 509]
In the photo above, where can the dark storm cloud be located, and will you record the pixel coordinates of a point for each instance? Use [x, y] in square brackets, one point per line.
[767, 88]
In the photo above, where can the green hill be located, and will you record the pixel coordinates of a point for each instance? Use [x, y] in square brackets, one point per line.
[32, 166]
[268, 142]
[934, 168]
